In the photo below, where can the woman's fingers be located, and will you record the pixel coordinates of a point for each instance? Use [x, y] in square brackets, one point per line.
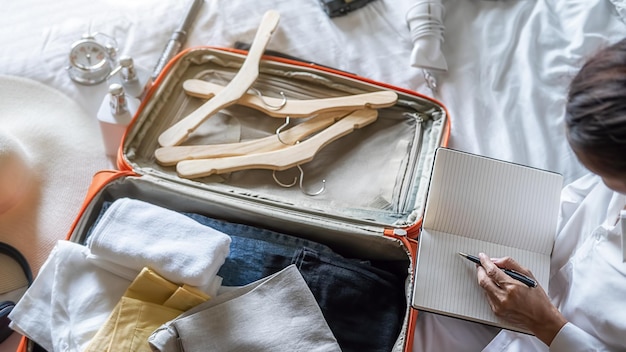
[511, 264]
[513, 301]
[492, 271]
[486, 282]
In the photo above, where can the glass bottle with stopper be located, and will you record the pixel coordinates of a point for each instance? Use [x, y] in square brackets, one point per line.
[130, 77]
[115, 114]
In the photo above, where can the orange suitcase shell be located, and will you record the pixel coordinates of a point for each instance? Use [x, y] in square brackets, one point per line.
[376, 177]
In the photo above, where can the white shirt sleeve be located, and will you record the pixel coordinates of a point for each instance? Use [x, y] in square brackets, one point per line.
[573, 339]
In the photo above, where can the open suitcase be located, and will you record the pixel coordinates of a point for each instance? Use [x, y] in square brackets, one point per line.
[376, 177]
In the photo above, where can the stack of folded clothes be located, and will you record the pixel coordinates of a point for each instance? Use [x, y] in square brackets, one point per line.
[152, 279]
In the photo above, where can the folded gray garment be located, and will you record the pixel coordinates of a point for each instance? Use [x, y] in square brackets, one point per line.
[276, 313]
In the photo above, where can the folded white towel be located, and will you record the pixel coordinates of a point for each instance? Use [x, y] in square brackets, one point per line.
[135, 234]
[212, 289]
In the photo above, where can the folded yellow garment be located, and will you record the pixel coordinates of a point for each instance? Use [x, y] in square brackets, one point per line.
[149, 286]
[185, 298]
[149, 301]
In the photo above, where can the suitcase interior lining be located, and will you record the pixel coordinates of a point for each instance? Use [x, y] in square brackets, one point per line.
[343, 238]
[375, 175]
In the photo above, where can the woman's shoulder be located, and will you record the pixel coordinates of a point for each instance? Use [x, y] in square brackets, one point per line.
[584, 184]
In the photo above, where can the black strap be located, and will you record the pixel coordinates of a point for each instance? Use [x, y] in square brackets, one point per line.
[7, 306]
[10, 251]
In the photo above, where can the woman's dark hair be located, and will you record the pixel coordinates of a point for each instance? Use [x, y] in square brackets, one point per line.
[595, 113]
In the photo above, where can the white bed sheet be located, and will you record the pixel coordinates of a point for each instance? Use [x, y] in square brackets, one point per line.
[509, 61]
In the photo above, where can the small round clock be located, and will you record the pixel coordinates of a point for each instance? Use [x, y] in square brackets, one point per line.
[90, 61]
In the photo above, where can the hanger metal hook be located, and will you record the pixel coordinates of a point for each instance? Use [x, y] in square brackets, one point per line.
[268, 105]
[302, 187]
[295, 180]
[280, 129]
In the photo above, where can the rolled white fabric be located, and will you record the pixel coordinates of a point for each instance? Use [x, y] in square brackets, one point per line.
[425, 21]
[136, 234]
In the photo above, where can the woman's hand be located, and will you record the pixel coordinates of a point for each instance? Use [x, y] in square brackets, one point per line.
[518, 304]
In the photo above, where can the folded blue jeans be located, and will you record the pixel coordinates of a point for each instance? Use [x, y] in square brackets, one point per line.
[255, 253]
[363, 305]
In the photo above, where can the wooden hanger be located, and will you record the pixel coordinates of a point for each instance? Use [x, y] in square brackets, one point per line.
[293, 107]
[281, 159]
[168, 156]
[236, 88]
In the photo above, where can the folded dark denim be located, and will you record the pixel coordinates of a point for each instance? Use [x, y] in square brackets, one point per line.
[255, 253]
[363, 305]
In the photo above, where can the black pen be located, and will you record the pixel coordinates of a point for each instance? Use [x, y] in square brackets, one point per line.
[514, 274]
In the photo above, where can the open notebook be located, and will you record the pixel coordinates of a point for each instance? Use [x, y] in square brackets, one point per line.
[478, 204]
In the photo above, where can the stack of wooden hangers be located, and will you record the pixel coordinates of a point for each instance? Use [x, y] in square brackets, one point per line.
[329, 119]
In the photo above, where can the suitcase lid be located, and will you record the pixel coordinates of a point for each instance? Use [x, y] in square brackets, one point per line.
[374, 178]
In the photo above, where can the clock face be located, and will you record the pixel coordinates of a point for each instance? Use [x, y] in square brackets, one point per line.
[90, 62]
[88, 55]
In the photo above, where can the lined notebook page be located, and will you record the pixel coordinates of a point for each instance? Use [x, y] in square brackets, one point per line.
[477, 204]
[493, 200]
[446, 283]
